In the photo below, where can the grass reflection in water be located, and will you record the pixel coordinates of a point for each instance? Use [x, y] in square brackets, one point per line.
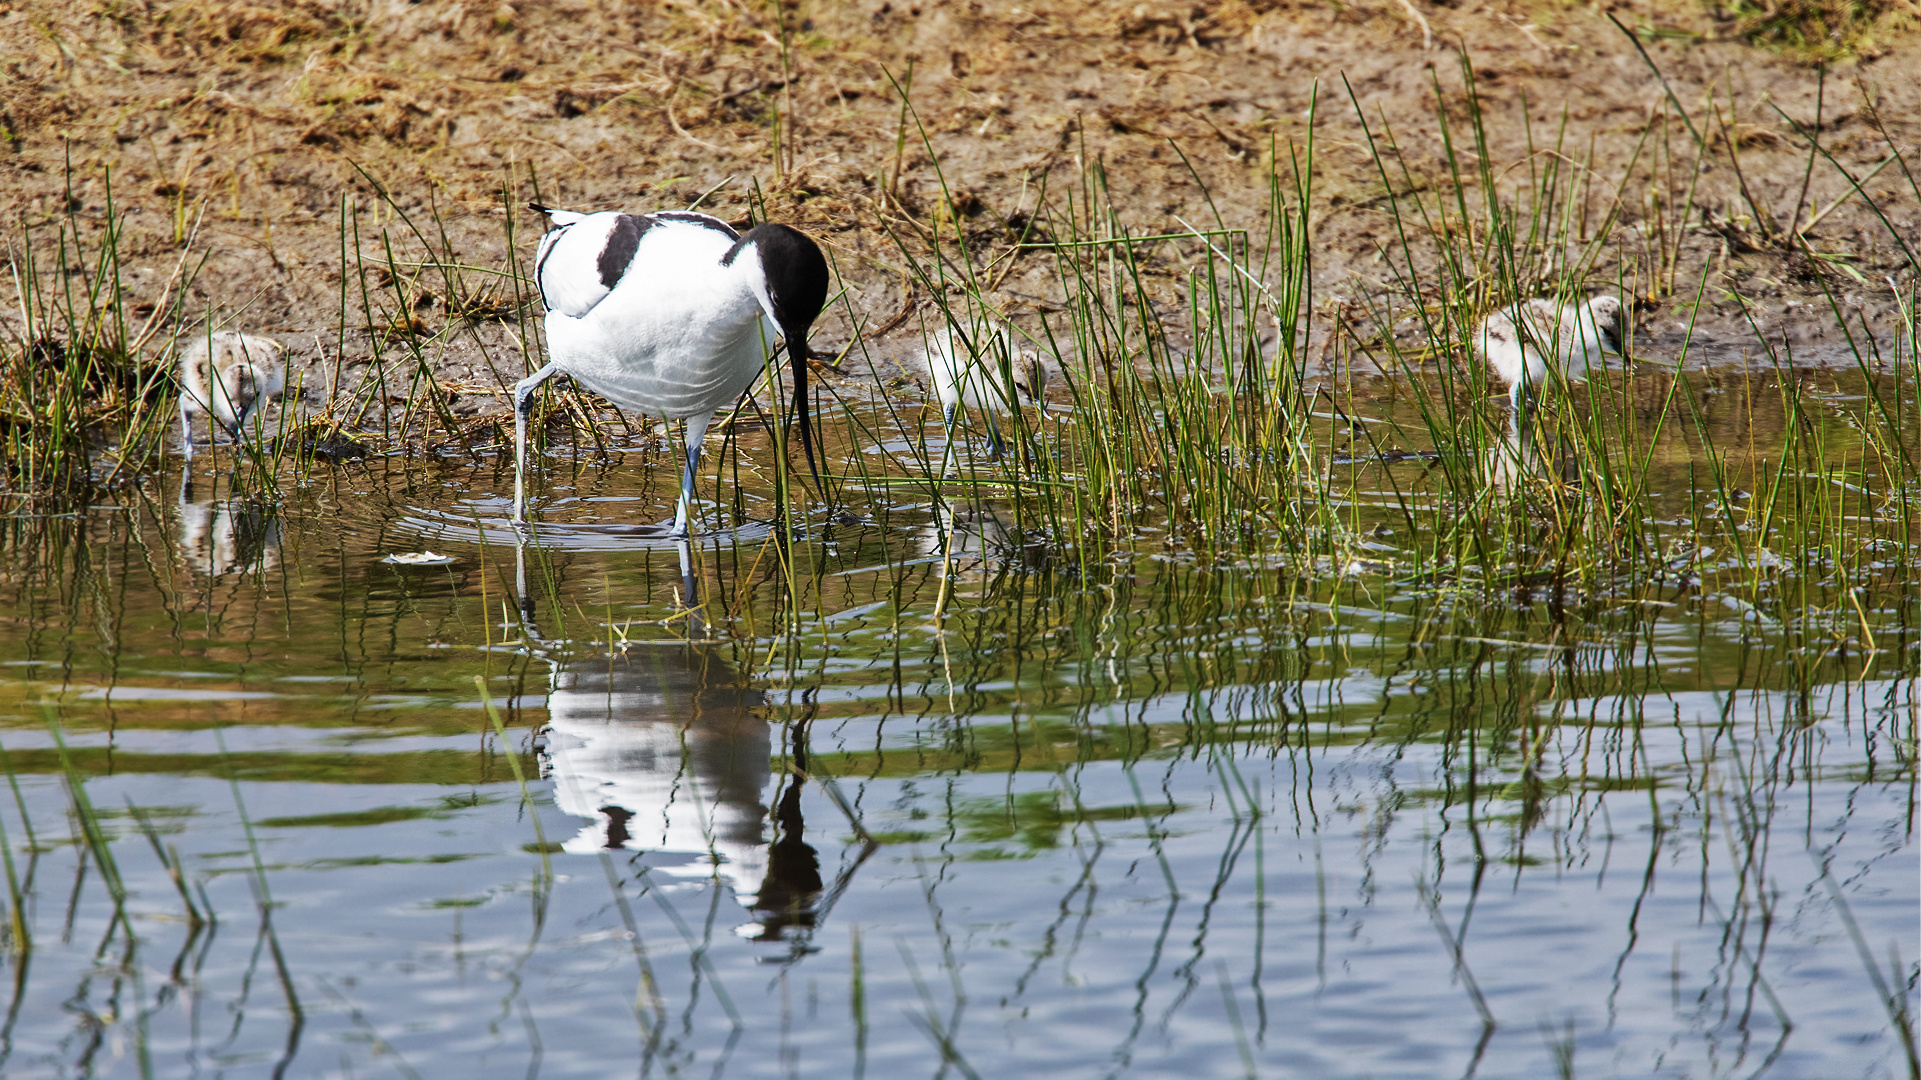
[1114, 819]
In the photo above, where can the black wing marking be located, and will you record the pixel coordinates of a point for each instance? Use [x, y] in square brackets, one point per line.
[622, 241]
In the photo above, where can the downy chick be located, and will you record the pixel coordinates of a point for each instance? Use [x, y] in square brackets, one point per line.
[228, 375]
[1521, 341]
[989, 372]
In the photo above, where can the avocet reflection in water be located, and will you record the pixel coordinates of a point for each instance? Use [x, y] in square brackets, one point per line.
[661, 748]
[665, 749]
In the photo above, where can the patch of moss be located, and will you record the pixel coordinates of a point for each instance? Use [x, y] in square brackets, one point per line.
[1820, 32]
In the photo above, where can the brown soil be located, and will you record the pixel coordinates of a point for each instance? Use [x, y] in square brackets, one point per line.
[243, 127]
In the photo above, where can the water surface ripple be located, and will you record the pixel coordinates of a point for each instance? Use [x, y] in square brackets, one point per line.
[1128, 819]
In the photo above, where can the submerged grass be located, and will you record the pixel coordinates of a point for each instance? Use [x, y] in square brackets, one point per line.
[1042, 687]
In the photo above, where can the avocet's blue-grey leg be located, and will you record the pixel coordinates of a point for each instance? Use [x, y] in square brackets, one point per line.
[683, 507]
[684, 510]
[947, 446]
[995, 446]
[523, 408]
[527, 625]
[186, 429]
[690, 590]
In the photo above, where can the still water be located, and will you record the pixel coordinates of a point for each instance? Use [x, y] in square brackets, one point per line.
[1053, 817]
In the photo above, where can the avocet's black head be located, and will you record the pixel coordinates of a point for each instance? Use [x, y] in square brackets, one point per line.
[795, 275]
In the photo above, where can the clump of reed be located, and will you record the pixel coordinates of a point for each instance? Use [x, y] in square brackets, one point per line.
[89, 389]
[1838, 484]
[84, 403]
[89, 384]
[1821, 31]
[1188, 420]
[1200, 425]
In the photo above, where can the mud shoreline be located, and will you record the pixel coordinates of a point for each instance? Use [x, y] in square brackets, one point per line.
[269, 140]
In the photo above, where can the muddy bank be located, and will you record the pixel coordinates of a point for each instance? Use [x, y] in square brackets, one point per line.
[261, 142]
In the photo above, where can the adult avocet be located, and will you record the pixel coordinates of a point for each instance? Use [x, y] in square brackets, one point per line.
[670, 314]
[228, 375]
[1519, 343]
[987, 371]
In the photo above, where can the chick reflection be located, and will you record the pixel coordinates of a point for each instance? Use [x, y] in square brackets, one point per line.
[230, 537]
[1515, 458]
[1508, 460]
[665, 749]
[974, 533]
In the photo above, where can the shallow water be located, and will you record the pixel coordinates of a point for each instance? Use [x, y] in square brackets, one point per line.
[1098, 818]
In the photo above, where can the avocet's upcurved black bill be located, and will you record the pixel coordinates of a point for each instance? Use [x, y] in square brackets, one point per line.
[668, 314]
